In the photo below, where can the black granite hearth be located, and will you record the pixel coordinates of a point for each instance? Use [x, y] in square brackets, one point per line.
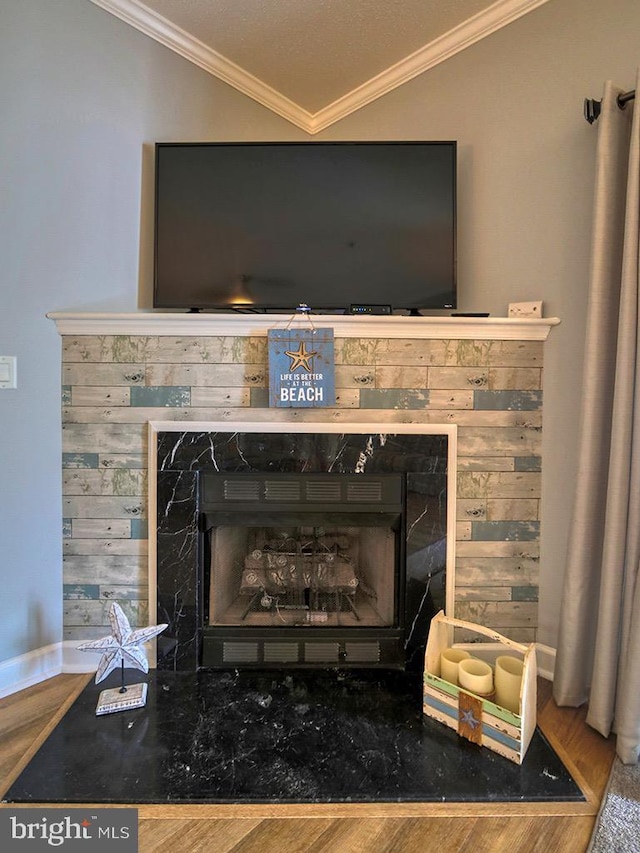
[277, 737]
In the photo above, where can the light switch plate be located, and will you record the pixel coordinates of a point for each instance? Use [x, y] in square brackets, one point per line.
[8, 372]
[525, 309]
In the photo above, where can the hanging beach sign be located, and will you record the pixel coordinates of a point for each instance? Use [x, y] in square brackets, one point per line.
[301, 367]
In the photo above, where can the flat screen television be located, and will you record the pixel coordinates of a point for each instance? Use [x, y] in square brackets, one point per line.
[334, 225]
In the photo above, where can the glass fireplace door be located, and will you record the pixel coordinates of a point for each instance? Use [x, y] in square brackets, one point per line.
[299, 574]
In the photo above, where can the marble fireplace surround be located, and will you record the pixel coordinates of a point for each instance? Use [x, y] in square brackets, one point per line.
[124, 372]
[179, 454]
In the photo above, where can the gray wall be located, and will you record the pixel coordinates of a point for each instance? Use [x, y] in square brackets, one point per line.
[84, 96]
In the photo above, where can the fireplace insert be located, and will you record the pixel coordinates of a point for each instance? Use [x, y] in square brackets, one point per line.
[304, 570]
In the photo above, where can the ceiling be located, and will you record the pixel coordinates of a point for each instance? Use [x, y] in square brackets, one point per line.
[314, 62]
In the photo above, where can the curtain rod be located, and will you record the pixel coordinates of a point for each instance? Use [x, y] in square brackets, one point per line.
[593, 108]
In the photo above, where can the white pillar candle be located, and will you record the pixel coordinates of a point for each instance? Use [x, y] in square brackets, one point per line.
[476, 676]
[509, 671]
[449, 660]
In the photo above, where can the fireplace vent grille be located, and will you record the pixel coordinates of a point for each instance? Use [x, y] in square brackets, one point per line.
[240, 652]
[311, 489]
[281, 652]
[322, 652]
[283, 491]
[298, 652]
[362, 652]
[365, 490]
[241, 489]
[316, 490]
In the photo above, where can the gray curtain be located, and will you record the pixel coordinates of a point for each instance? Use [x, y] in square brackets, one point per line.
[598, 659]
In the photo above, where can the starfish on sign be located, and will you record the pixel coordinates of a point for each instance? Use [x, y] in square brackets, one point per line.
[300, 357]
[124, 646]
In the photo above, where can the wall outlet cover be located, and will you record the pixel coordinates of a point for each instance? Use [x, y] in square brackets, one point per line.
[525, 309]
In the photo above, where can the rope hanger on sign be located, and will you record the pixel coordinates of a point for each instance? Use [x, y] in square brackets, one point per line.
[303, 310]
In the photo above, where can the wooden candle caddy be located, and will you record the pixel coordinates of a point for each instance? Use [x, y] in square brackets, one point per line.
[473, 717]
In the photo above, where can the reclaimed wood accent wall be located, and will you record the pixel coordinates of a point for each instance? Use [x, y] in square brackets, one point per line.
[114, 384]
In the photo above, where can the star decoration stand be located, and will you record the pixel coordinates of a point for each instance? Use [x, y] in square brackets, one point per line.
[124, 646]
[114, 699]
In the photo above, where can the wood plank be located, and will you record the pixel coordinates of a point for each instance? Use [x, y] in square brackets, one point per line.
[500, 484]
[219, 836]
[102, 547]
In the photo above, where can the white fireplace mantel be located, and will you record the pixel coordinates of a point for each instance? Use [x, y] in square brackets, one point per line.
[344, 325]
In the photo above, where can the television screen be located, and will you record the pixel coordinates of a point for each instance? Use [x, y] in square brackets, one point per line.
[267, 226]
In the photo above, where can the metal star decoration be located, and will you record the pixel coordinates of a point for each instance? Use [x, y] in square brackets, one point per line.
[124, 646]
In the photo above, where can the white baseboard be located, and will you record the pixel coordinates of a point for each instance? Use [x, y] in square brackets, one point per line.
[31, 668]
[73, 660]
[546, 661]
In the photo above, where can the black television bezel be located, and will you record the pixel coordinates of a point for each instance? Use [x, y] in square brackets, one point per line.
[265, 308]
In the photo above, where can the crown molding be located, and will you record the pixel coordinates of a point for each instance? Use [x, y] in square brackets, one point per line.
[440, 49]
[344, 325]
[184, 44]
[480, 26]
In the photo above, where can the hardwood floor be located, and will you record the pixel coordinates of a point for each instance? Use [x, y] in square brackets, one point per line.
[27, 717]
